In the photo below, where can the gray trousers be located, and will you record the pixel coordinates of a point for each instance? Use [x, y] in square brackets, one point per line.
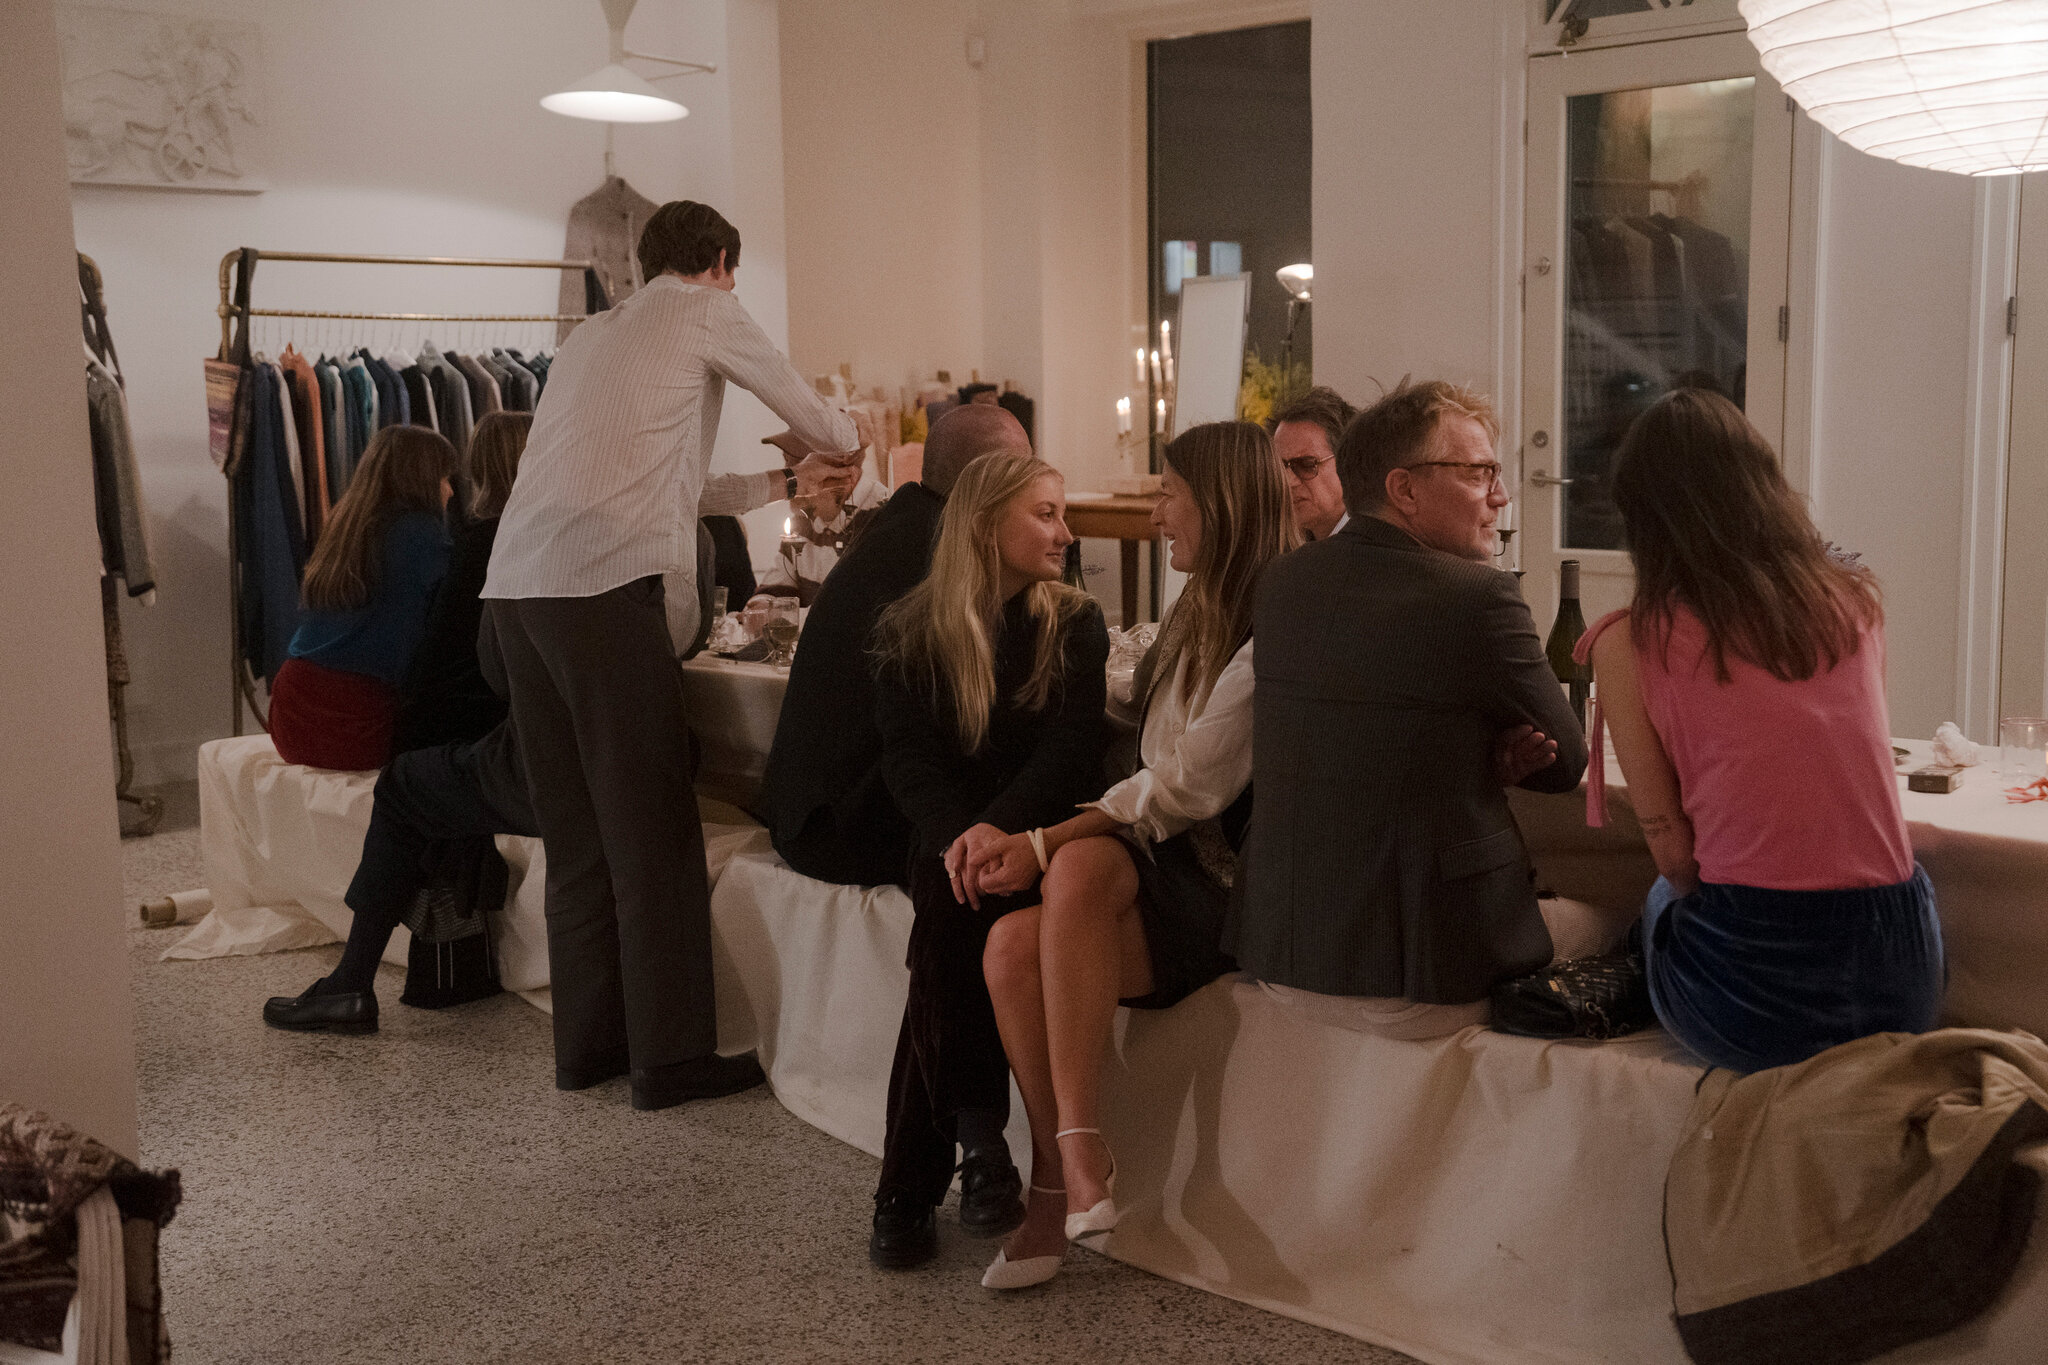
[597, 698]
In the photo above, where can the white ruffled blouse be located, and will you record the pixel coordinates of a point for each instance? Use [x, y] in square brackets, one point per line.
[1197, 754]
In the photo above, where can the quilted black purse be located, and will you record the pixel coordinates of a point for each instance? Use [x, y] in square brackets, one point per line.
[1583, 997]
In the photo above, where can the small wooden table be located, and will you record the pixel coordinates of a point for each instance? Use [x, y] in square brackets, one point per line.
[1128, 519]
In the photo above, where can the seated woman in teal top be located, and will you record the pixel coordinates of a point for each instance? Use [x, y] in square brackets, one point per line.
[368, 587]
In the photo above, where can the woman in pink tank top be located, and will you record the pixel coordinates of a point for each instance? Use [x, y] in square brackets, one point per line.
[1746, 690]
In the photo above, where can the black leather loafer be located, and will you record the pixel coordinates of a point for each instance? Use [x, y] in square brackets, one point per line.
[341, 1012]
[701, 1078]
[991, 1194]
[595, 1073]
[905, 1235]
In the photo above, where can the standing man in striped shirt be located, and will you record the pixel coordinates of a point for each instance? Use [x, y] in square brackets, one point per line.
[607, 501]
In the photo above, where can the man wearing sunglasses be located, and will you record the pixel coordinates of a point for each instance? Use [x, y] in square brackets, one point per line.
[1401, 685]
[1305, 436]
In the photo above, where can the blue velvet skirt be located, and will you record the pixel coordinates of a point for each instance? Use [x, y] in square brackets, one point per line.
[1749, 978]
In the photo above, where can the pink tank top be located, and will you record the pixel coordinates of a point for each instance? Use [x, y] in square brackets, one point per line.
[1789, 785]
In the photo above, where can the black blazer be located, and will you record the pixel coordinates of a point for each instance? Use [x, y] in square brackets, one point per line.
[1382, 858]
[445, 699]
[1035, 767]
[827, 754]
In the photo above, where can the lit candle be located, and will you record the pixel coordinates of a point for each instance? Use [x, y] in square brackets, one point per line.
[1138, 356]
[1159, 412]
[1166, 337]
[1123, 416]
[1156, 381]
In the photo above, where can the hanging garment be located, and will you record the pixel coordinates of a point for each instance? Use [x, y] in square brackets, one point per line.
[310, 416]
[483, 390]
[604, 228]
[288, 433]
[273, 552]
[117, 484]
[334, 426]
[364, 387]
[419, 396]
[451, 397]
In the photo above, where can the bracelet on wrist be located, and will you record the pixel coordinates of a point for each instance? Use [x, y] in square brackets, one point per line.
[1037, 838]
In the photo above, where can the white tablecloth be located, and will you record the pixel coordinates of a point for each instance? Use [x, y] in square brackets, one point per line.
[281, 842]
[1477, 1199]
[733, 708]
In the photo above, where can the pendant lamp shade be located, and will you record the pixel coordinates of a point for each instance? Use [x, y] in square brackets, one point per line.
[1952, 85]
[613, 94]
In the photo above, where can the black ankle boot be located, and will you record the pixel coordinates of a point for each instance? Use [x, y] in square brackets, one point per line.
[991, 1192]
[905, 1233]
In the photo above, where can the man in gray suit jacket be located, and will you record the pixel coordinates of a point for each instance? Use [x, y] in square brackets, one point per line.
[1401, 685]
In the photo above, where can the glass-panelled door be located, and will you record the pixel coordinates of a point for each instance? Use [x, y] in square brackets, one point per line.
[1658, 227]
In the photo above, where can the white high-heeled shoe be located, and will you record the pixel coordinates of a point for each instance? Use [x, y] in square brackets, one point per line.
[1102, 1215]
[1004, 1273]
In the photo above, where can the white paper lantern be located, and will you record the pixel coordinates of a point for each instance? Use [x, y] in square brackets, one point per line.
[1953, 85]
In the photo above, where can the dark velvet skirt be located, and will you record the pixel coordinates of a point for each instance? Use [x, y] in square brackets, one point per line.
[325, 718]
[1181, 902]
[1749, 978]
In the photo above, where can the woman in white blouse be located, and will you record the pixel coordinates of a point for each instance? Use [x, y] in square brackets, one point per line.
[1136, 884]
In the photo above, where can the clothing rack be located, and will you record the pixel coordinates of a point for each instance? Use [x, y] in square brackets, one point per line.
[237, 271]
[149, 807]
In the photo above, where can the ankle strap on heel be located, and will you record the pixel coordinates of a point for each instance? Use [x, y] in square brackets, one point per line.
[1040, 1189]
[1069, 1132]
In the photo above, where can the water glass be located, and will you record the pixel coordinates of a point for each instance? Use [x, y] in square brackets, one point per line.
[2022, 748]
[718, 602]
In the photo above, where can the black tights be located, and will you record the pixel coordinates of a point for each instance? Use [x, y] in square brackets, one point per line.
[425, 797]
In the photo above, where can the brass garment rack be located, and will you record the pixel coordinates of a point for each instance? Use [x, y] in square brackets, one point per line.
[237, 271]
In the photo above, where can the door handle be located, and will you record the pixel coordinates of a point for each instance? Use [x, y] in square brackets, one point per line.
[1544, 479]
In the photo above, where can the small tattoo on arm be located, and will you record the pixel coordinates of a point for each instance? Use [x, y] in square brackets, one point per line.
[1657, 825]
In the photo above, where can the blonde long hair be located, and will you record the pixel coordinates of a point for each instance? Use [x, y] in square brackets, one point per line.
[401, 471]
[1246, 524]
[941, 634]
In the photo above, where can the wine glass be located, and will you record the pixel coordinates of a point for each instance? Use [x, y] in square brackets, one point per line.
[781, 631]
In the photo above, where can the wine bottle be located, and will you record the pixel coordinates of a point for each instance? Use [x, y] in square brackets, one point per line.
[1577, 678]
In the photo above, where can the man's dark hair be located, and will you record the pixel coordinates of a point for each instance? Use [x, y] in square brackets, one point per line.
[1399, 430]
[686, 237]
[1320, 406]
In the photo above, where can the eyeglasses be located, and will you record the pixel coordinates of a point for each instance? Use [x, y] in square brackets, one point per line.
[1475, 473]
[1304, 467]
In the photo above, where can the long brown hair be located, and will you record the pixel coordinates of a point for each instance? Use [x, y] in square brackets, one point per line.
[941, 634]
[494, 450]
[401, 471]
[1246, 524]
[1714, 528]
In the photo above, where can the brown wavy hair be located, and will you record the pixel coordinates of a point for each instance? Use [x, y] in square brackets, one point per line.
[1714, 528]
[494, 450]
[1247, 523]
[401, 471]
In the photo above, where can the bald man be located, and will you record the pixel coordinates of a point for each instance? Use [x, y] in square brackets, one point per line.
[823, 799]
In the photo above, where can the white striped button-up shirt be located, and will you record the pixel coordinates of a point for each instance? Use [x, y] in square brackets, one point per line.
[613, 478]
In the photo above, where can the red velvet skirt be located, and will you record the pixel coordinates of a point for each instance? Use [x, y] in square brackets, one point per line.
[325, 718]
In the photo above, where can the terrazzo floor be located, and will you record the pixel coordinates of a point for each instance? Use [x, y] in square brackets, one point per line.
[425, 1195]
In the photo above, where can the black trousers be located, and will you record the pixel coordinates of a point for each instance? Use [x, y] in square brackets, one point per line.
[597, 697]
[426, 796]
[949, 1055]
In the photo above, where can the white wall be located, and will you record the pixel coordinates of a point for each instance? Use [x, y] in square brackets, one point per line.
[66, 1024]
[427, 143]
[1892, 390]
[1411, 142]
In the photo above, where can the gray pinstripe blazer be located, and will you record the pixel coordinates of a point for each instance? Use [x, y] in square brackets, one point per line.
[1382, 859]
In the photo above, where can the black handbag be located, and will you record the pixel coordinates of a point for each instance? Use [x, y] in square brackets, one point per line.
[1583, 997]
[451, 961]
